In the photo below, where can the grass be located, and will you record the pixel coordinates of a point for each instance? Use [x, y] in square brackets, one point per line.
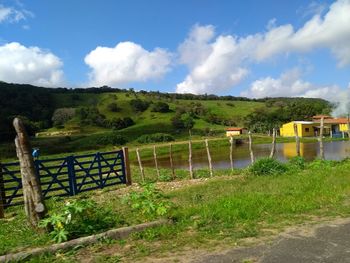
[219, 211]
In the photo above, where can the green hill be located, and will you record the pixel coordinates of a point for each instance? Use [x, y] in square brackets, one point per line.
[82, 119]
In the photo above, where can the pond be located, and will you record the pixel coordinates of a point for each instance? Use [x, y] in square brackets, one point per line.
[336, 150]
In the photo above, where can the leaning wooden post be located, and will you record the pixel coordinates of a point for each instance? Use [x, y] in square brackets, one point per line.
[190, 158]
[140, 165]
[34, 205]
[273, 148]
[231, 152]
[297, 140]
[250, 147]
[209, 157]
[127, 166]
[321, 139]
[171, 161]
[2, 194]
[156, 161]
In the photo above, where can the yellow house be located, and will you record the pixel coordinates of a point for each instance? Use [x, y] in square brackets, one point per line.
[234, 131]
[305, 129]
[343, 127]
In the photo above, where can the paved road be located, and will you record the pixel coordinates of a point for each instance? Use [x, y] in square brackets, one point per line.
[327, 244]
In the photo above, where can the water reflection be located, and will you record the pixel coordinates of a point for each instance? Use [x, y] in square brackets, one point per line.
[336, 150]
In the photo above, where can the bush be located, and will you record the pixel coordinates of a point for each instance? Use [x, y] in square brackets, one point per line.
[297, 162]
[160, 107]
[62, 115]
[112, 138]
[139, 105]
[118, 123]
[113, 107]
[267, 166]
[156, 137]
[80, 217]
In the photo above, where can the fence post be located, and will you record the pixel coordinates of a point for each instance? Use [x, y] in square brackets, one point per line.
[2, 194]
[34, 204]
[140, 164]
[209, 157]
[98, 157]
[297, 140]
[231, 152]
[127, 166]
[190, 158]
[321, 139]
[156, 161]
[273, 149]
[250, 147]
[71, 175]
[171, 161]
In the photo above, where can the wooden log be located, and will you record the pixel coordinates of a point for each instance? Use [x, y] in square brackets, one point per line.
[209, 158]
[171, 161]
[127, 166]
[2, 194]
[190, 158]
[250, 147]
[231, 152]
[273, 147]
[142, 173]
[156, 161]
[321, 139]
[34, 204]
[297, 140]
[119, 233]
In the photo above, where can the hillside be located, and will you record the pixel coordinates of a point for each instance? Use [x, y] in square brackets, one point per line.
[75, 119]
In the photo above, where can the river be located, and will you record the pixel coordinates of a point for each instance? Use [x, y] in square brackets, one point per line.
[336, 150]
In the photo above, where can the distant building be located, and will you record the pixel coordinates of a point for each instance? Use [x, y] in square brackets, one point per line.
[234, 131]
[334, 127]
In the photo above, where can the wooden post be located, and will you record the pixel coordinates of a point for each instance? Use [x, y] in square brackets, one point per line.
[297, 140]
[331, 133]
[273, 148]
[343, 134]
[171, 161]
[34, 205]
[127, 166]
[2, 194]
[140, 165]
[321, 139]
[156, 161]
[209, 157]
[231, 152]
[250, 147]
[190, 158]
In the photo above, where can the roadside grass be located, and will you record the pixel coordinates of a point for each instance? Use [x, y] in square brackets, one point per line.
[221, 211]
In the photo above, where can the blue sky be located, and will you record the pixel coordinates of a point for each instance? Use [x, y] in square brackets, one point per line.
[250, 48]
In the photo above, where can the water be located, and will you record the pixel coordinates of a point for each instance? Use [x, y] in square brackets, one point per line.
[336, 150]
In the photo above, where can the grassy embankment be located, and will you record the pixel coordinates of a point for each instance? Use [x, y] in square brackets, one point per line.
[220, 211]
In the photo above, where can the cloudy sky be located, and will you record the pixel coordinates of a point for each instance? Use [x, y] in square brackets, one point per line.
[242, 48]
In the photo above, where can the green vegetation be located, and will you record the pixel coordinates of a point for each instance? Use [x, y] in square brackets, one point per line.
[267, 166]
[156, 137]
[221, 211]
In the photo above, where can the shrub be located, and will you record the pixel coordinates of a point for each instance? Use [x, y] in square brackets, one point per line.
[80, 217]
[267, 166]
[160, 107]
[118, 123]
[156, 137]
[113, 107]
[62, 115]
[139, 105]
[112, 138]
[297, 162]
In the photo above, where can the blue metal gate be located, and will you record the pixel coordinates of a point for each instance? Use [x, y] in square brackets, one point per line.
[65, 176]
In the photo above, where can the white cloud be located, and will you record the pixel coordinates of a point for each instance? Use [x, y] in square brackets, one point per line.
[214, 63]
[32, 65]
[290, 84]
[126, 62]
[13, 15]
[330, 31]
[219, 63]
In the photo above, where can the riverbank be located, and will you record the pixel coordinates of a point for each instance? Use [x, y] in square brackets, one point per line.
[208, 213]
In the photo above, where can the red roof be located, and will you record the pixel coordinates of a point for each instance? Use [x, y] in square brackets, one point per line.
[234, 129]
[320, 116]
[335, 120]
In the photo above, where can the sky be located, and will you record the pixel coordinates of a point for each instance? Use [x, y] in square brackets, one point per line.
[241, 48]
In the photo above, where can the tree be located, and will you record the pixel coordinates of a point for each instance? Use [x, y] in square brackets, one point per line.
[113, 107]
[62, 115]
[160, 107]
[139, 105]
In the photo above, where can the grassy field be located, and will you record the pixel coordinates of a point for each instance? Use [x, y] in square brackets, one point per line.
[207, 212]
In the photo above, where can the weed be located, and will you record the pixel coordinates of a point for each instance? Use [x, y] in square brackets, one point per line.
[267, 166]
